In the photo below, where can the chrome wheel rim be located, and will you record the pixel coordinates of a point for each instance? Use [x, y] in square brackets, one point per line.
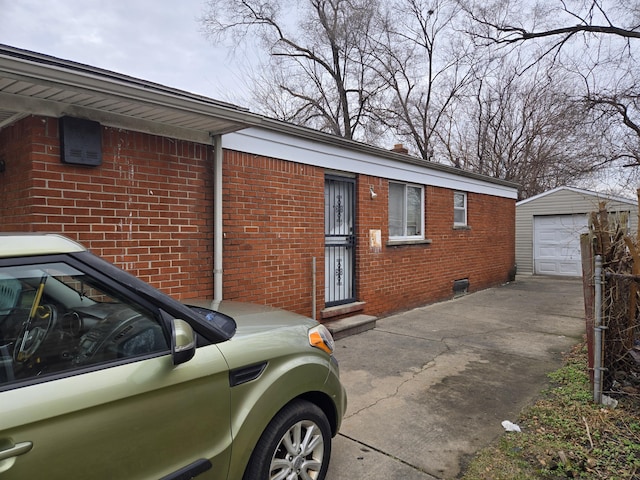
[299, 453]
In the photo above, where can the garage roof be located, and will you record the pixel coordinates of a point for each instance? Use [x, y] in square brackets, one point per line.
[586, 193]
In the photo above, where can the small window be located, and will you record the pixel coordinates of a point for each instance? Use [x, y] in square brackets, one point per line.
[459, 209]
[406, 211]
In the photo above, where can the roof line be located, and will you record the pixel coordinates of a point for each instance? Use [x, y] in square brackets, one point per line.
[604, 196]
[44, 59]
[315, 135]
[143, 90]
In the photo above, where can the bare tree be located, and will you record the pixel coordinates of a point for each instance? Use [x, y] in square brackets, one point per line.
[594, 39]
[406, 70]
[319, 72]
[352, 67]
[508, 22]
[522, 128]
[425, 63]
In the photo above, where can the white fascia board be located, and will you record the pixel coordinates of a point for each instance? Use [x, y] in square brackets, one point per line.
[540, 195]
[587, 193]
[273, 144]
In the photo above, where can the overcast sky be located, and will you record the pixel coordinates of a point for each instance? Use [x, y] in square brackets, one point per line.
[159, 41]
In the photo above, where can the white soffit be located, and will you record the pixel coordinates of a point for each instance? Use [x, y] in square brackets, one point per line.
[273, 144]
[36, 84]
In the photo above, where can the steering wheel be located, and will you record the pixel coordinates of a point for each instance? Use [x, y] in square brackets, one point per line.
[33, 332]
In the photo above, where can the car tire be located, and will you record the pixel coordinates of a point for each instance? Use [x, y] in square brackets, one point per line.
[295, 445]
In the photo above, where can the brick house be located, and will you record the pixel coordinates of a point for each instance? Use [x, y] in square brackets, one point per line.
[207, 200]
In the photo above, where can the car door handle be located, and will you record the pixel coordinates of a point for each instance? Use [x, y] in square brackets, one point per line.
[18, 449]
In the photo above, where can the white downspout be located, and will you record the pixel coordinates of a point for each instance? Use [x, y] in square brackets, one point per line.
[218, 234]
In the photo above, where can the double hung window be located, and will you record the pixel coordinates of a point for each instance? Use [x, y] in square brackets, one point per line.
[459, 209]
[406, 211]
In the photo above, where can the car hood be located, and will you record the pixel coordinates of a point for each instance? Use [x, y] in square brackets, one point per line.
[253, 319]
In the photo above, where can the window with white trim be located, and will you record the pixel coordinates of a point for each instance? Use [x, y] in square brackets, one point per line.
[459, 209]
[406, 211]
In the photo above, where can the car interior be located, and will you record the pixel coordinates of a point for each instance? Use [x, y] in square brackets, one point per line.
[55, 318]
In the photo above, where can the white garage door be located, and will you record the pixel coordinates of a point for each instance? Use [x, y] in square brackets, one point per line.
[556, 244]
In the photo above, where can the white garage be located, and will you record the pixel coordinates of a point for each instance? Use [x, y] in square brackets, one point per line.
[549, 225]
[556, 244]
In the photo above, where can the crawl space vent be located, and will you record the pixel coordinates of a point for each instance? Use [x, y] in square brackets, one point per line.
[460, 287]
[80, 141]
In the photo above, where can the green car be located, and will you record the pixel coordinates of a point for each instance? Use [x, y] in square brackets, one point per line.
[104, 377]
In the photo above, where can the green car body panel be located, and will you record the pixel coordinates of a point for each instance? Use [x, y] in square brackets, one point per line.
[293, 371]
[152, 416]
[90, 416]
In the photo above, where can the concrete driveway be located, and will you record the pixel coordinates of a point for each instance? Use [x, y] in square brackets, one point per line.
[430, 387]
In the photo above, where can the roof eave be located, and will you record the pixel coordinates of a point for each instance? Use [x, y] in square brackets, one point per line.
[43, 70]
[314, 135]
[211, 117]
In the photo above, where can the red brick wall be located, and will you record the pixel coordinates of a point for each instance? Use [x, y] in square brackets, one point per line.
[273, 227]
[405, 276]
[16, 204]
[147, 208]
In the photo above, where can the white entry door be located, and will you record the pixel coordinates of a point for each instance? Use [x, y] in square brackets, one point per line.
[556, 244]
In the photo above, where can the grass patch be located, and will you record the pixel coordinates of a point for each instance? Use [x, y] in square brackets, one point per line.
[565, 435]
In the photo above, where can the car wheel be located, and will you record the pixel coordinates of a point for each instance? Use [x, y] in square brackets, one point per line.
[295, 445]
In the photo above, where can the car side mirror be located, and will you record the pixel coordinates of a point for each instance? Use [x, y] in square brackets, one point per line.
[183, 341]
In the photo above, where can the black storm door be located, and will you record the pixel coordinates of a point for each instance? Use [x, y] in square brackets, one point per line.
[339, 234]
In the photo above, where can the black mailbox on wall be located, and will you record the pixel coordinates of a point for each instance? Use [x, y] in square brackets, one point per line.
[80, 141]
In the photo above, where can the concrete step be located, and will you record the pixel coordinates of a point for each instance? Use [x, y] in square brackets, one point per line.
[342, 310]
[351, 325]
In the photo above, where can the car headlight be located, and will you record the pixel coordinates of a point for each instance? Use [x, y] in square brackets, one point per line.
[320, 337]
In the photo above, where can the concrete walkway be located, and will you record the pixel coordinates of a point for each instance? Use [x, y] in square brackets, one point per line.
[430, 387]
